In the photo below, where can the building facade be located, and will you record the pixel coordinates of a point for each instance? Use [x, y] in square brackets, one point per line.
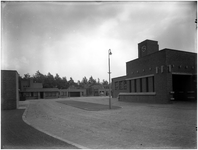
[9, 89]
[32, 90]
[72, 92]
[98, 90]
[158, 76]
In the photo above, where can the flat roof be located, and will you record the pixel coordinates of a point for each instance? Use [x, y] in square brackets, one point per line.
[163, 50]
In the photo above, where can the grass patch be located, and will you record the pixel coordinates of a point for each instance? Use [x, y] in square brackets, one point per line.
[88, 106]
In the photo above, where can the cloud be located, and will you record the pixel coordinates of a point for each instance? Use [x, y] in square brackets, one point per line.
[179, 30]
[72, 38]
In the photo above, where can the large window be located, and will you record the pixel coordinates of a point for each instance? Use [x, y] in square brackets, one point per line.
[138, 85]
[116, 85]
[121, 85]
[35, 94]
[125, 84]
[145, 84]
[151, 84]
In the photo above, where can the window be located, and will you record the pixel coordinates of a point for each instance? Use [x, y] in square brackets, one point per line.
[35, 94]
[27, 94]
[145, 84]
[138, 85]
[116, 85]
[125, 85]
[120, 85]
[130, 87]
[151, 84]
[135, 85]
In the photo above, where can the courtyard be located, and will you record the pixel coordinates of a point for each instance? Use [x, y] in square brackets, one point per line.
[126, 125]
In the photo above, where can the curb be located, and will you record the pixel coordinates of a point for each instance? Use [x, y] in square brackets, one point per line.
[54, 136]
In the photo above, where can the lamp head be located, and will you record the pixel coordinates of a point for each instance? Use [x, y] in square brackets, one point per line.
[110, 53]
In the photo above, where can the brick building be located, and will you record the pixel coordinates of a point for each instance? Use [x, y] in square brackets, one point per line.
[72, 92]
[9, 89]
[158, 76]
[97, 90]
[32, 90]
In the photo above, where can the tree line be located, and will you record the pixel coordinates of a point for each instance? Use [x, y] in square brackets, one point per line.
[50, 81]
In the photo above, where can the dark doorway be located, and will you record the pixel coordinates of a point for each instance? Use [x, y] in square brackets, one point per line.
[22, 96]
[96, 93]
[41, 95]
[184, 87]
[74, 94]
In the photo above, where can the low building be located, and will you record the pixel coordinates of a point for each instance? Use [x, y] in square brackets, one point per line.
[158, 76]
[97, 90]
[31, 90]
[72, 92]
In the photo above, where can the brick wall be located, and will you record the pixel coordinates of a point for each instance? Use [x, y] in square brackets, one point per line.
[161, 66]
[116, 86]
[9, 89]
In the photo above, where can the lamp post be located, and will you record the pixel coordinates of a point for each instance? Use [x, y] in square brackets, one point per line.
[109, 53]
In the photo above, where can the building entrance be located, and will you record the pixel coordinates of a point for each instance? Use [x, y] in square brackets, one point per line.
[41, 95]
[74, 94]
[184, 87]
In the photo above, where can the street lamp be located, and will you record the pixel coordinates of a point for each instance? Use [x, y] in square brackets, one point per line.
[109, 53]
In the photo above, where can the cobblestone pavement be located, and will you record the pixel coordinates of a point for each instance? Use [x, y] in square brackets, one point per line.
[134, 125]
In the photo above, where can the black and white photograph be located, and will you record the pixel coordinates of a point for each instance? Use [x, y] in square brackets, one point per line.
[99, 74]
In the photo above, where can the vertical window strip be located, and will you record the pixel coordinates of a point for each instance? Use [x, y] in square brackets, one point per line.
[146, 84]
[153, 84]
[115, 86]
[130, 90]
[125, 84]
[135, 85]
[141, 85]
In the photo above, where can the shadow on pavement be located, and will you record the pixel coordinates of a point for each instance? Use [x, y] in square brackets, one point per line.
[88, 106]
[16, 134]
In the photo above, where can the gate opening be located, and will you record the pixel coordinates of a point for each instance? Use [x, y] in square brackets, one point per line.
[74, 94]
[185, 88]
[41, 95]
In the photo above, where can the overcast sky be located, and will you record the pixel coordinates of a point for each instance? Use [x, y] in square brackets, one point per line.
[73, 38]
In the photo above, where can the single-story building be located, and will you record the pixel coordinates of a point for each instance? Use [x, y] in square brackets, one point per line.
[72, 92]
[32, 90]
[97, 90]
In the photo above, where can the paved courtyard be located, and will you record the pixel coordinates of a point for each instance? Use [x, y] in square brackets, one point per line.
[16, 134]
[134, 125]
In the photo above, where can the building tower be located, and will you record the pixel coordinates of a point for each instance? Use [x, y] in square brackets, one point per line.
[147, 47]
